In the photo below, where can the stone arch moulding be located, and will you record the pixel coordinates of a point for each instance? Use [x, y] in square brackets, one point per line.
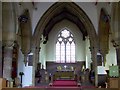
[68, 8]
[72, 9]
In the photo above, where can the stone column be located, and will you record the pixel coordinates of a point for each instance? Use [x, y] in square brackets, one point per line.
[35, 61]
[94, 58]
[8, 37]
[115, 28]
[96, 69]
[116, 44]
[1, 39]
[33, 69]
[7, 67]
[118, 56]
[37, 57]
[1, 62]
[104, 59]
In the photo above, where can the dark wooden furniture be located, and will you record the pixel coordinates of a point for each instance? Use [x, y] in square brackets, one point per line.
[113, 82]
[2, 83]
[63, 75]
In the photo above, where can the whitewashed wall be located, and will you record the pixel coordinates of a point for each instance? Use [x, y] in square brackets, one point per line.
[111, 57]
[27, 77]
[88, 53]
[42, 55]
[90, 9]
[49, 49]
[37, 14]
[80, 44]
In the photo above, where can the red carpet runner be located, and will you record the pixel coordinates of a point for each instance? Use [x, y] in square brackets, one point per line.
[63, 83]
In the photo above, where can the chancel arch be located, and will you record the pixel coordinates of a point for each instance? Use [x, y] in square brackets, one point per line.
[69, 11]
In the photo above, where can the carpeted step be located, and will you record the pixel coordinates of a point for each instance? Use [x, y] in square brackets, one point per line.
[64, 83]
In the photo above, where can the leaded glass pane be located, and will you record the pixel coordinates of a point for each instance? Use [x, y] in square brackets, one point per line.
[65, 47]
[65, 33]
[60, 39]
[70, 39]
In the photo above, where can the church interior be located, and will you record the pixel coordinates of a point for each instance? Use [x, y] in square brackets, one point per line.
[60, 45]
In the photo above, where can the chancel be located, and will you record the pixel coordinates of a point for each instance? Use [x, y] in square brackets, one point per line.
[57, 45]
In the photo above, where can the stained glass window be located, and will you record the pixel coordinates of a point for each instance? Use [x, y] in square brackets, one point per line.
[65, 47]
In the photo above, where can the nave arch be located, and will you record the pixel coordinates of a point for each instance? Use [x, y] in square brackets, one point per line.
[71, 11]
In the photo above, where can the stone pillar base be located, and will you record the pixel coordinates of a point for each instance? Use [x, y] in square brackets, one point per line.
[7, 64]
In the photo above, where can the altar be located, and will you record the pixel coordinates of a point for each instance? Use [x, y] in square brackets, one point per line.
[64, 72]
[63, 75]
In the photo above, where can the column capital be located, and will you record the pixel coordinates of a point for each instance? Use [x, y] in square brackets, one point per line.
[92, 48]
[37, 49]
[116, 43]
[8, 43]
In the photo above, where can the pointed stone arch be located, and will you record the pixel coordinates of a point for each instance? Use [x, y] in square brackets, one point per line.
[65, 10]
[68, 8]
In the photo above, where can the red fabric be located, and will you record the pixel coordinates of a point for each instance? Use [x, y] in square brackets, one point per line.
[64, 83]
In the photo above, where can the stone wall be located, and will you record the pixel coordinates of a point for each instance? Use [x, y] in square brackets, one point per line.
[0, 58]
